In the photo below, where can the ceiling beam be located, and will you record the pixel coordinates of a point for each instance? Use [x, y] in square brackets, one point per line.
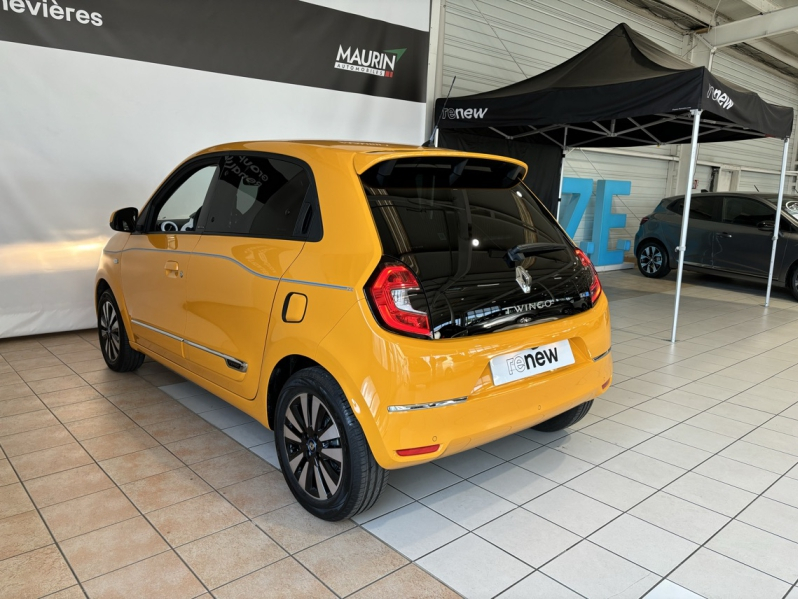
[762, 6]
[776, 52]
[753, 28]
[700, 13]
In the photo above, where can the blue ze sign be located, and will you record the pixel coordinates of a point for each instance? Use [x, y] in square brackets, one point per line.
[573, 211]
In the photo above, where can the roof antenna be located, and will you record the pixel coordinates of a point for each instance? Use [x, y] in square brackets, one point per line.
[428, 143]
[757, 189]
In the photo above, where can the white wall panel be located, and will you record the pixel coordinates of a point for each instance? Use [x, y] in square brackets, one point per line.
[82, 135]
[750, 181]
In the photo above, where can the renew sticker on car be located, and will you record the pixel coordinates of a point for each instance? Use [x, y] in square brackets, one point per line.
[529, 362]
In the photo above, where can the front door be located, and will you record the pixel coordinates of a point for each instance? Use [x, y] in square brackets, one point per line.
[703, 225]
[744, 243]
[155, 261]
[254, 230]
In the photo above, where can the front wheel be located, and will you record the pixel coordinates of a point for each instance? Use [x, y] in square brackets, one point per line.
[565, 419]
[652, 260]
[114, 344]
[323, 453]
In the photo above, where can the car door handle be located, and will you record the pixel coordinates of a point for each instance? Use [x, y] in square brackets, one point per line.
[724, 234]
[171, 269]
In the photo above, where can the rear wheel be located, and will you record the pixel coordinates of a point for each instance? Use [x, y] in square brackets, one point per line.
[792, 281]
[652, 259]
[324, 455]
[565, 419]
[114, 344]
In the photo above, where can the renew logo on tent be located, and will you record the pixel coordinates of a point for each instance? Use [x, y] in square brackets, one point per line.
[720, 97]
[464, 113]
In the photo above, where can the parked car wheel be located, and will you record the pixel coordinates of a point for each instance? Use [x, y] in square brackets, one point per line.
[114, 344]
[565, 419]
[792, 281]
[323, 452]
[652, 259]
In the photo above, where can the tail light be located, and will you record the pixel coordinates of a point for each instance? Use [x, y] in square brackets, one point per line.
[595, 284]
[390, 295]
[644, 220]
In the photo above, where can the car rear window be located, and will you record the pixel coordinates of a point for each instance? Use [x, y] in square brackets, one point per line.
[424, 206]
[457, 224]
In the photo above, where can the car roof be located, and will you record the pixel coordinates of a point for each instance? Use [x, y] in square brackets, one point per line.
[364, 154]
[771, 197]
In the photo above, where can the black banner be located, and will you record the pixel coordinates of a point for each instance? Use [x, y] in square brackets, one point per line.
[285, 41]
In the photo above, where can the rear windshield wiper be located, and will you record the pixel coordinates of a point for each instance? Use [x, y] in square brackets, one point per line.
[525, 250]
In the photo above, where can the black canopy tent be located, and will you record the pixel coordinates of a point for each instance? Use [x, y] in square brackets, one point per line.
[624, 90]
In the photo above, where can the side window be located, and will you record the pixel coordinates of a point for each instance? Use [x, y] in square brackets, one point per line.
[746, 211]
[701, 207]
[259, 197]
[180, 211]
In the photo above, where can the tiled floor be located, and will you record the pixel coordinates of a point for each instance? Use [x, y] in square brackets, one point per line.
[680, 483]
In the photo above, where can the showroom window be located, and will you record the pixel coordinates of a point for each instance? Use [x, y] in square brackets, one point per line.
[259, 197]
[179, 213]
[746, 211]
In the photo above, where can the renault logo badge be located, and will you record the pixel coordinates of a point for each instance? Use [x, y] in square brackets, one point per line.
[523, 278]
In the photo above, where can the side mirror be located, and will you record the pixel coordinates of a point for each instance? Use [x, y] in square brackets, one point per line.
[125, 220]
[767, 225]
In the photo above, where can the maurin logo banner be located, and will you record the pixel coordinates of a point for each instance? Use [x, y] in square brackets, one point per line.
[371, 62]
[267, 39]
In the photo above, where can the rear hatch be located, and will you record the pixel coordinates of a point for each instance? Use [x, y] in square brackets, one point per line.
[485, 254]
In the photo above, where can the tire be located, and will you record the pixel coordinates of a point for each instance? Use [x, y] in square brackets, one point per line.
[114, 344]
[345, 478]
[652, 260]
[792, 280]
[565, 419]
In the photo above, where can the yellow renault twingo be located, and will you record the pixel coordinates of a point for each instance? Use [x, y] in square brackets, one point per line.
[376, 306]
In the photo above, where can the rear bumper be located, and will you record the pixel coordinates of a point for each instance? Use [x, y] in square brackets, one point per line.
[490, 416]
[390, 371]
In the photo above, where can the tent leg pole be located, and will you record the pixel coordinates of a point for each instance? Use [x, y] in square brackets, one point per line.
[685, 216]
[778, 220]
[436, 137]
[559, 190]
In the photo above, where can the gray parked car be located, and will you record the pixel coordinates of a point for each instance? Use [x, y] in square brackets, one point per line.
[730, 234]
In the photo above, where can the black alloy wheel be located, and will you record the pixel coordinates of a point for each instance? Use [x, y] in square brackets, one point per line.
[652, 260]
[114, 344]
[323, 452]
[313, 445]
[109, 331]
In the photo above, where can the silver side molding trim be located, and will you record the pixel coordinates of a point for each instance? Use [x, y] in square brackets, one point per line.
[232, 363]
[597, 358]
[427, 406]
[157, 330]
[237, 263]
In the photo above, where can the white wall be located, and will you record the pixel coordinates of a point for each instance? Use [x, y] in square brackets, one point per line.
[82, 135]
